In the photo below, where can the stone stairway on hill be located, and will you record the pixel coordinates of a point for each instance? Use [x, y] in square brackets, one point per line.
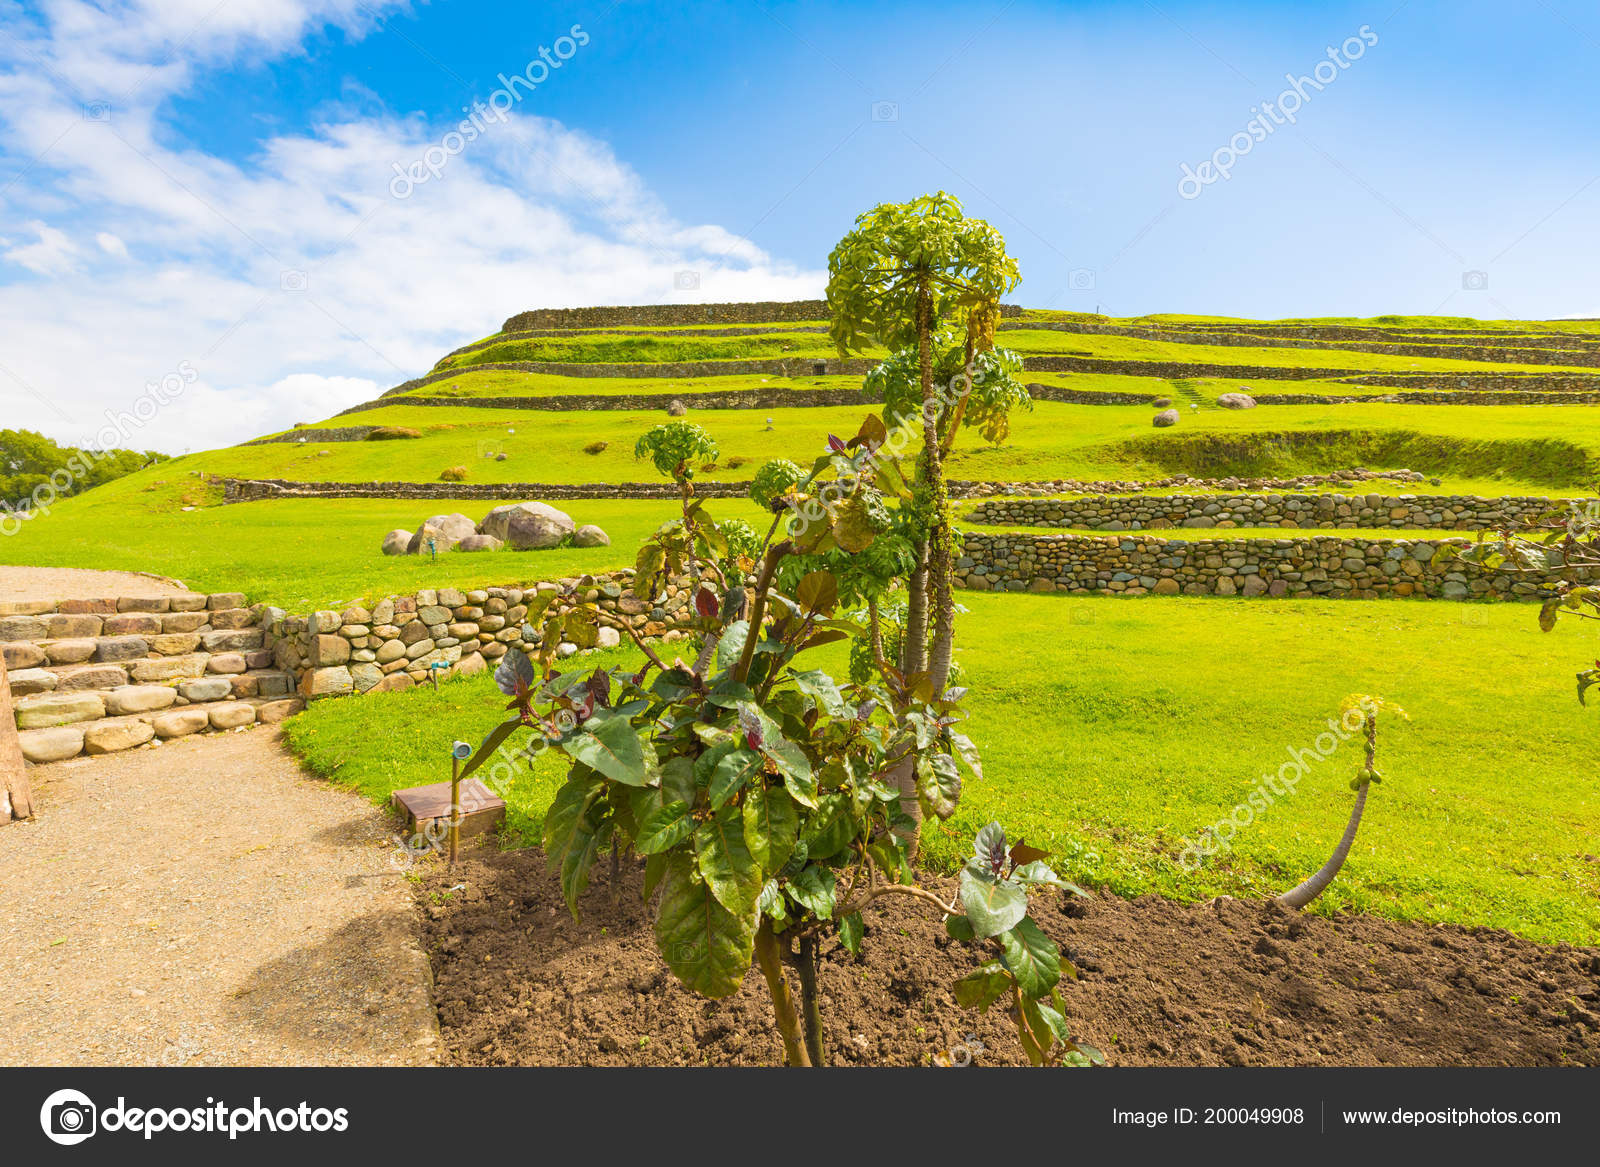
[100, 676]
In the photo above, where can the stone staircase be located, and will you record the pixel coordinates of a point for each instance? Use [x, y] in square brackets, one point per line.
[99, 676]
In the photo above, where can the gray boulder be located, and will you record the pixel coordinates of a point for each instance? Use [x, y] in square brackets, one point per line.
[1165, 418]
[528, 526]
[590, 535]
[446, 530]
[1236, 401]
[479, 543]
[396, 542]
[1162, 402]
[676, 408]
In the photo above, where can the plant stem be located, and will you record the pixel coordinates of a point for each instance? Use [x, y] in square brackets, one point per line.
[758, 610]
[1303, 894]
[769, 955]
[811, 1010]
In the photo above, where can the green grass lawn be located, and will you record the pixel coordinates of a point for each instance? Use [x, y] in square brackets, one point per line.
[1114, 728]
[303, 554]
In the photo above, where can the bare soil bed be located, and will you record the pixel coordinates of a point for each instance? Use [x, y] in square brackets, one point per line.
[518, 982]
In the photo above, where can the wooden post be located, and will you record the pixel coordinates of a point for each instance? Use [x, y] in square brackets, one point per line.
[16, 796]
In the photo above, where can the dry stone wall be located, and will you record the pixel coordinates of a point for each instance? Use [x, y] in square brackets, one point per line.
[403, 641]
[1306, 565]
[1452, 512]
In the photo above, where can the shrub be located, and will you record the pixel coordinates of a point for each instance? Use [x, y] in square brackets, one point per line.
[595, 447]
[676, 447]
[772, 480]
[389, 433]
[453, 474]
[736, 461]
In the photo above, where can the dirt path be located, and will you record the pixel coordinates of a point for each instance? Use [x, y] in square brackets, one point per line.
[71, 583]
[206, 903]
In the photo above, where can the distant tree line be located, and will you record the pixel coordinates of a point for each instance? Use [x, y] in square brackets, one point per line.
[35, 471]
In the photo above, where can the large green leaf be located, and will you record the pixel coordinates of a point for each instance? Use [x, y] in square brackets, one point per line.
[664, 828]
[819, 686]
[725, 860]
[812, 888]
[789, 758]
[706, 946]
[613, 747]
[978, 990]
[993, 907]
[732, 770]
[1032, 957]
[771, 825]
[938, 784]
[572, 834]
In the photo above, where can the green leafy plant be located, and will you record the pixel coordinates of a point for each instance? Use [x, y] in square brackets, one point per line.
[676, 448]
[756, 789]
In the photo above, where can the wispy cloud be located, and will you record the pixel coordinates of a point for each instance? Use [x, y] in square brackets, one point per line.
[293, 283]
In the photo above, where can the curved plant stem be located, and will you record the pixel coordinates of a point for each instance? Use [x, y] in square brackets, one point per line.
[1299, 897]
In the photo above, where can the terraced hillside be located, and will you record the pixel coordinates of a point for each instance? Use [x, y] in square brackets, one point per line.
[1272, 577]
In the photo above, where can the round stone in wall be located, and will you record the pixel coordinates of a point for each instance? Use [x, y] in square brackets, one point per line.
[1236, 401]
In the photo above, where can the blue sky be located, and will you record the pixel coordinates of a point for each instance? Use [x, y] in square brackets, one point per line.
[213, 183]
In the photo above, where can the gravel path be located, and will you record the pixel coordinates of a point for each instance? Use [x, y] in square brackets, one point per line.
[72, 583]
[206, 903]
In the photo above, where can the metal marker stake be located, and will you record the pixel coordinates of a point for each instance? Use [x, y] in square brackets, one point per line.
[459, 752]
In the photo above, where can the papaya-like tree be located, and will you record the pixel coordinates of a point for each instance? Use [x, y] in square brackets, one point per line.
[902, 275]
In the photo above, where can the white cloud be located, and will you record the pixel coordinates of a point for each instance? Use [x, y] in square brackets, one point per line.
[295, 284]
[111, 245]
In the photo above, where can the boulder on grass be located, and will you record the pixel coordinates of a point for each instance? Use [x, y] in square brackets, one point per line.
[446, 531]
[1165, 418]
[1162, 402]
[396, 542]
[1236, 401]
[590, 535]
[676, 408]
[479, 543]
[528, 526]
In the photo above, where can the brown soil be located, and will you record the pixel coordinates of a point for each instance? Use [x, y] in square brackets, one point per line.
[518, 982]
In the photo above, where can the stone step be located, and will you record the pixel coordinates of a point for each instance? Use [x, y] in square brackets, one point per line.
[121, 641]
[115, 605]
[39, 704]
[109, 735]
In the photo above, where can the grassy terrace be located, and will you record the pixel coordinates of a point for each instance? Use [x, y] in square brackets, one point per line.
[510, 383]
[1526, 450]
[1109, 737]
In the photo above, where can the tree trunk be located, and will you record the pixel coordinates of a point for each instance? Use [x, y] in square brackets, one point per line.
[938, 569]
[769, 955]
[914, 643]
[810, 1003]
[16, 795]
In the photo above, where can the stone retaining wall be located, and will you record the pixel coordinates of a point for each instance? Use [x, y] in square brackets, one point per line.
[254, 489]
[1365, 511]
[763, 312]
[1437, 397]
[402, 641]
[1310, 565]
